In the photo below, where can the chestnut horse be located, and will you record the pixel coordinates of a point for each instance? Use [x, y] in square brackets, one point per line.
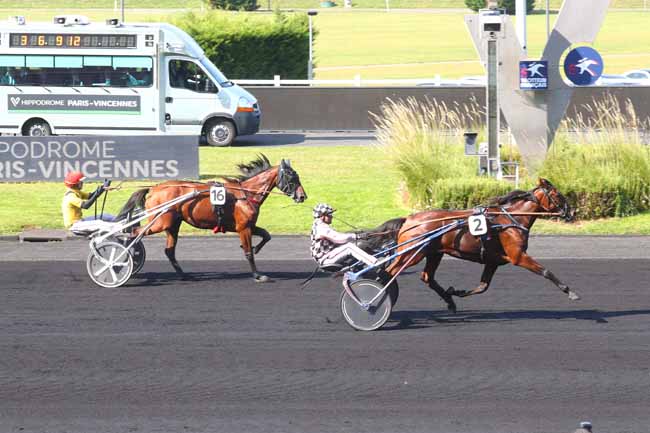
[245, 195]
[509, 223]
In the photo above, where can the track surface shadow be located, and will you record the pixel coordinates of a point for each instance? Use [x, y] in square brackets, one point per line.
[414, 319]
[172, 278]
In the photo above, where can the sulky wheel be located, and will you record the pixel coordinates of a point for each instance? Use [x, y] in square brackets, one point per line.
[383, 278]
[393, 291]
[366, 317]
[138, 253]
[109, 264]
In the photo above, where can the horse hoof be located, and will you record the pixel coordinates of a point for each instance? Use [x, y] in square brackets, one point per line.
[573, 296]
[261, 279]
[451, 307]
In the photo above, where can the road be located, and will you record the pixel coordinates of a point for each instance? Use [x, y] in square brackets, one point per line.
[220, 353]
[296, 138]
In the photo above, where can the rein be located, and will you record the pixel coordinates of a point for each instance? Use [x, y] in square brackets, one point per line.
[459, 217]
[188, 185]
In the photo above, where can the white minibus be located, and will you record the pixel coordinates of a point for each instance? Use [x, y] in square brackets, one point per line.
[77, 77]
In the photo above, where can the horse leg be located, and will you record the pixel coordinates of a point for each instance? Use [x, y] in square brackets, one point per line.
[170, 246]
[259, 231]
[245, 237]
[527, 262]
[486, 278]
[428, 276]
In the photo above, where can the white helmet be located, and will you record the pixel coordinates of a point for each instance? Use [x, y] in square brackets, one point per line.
[322, 209]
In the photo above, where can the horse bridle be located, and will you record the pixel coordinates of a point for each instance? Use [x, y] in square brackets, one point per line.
[564, 209]
[288, 182]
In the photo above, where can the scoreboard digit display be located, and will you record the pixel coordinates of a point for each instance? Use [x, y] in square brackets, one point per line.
[68, 40]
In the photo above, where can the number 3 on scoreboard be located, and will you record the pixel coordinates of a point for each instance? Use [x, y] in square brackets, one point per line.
[217, 195]
[477, 225]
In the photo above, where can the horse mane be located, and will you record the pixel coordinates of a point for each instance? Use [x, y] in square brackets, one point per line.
[249, 170]
[512, 196]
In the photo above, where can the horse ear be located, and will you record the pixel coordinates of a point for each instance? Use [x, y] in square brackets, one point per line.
[283, 163]
[289, 163]
[541, 181]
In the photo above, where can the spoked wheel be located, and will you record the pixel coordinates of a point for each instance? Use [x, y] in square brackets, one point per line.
[109, 264]
[138, 253]
[368, 316]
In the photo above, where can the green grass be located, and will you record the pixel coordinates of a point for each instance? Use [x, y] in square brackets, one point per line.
[412, 42]
[358, 181]
[97, 4]
[633, 225]
[379, 45]
[354, 179]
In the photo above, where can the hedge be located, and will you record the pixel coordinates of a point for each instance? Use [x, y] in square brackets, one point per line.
[247, 46]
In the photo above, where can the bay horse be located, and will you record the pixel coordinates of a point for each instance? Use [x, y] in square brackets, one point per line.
[245, 195]
[509, 222]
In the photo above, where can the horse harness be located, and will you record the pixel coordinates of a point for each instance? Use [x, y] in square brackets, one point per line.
[491, 226]
[287, 183]
[482, 210]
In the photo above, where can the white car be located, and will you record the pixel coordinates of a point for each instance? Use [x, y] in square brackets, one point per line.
[640, 76]
[474, 80]
[616, 80]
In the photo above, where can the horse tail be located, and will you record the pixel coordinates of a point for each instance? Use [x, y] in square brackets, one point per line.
[382, 236]
[135, 201]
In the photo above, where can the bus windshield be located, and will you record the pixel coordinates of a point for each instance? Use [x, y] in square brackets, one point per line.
[215, 73]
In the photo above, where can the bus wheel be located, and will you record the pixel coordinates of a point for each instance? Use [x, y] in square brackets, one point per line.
[220, 132]
[37, 128]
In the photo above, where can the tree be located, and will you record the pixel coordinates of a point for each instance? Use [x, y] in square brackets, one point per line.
[511, 6]
[475, 5]
[234, 5]
[508, 5]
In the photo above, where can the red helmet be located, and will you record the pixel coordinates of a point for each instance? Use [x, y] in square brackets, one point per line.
[73, 178]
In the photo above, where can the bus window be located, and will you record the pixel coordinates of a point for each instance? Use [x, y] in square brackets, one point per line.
[6, 77]
[132, 71]
[188, 75]
[76, 71]
[10, 67]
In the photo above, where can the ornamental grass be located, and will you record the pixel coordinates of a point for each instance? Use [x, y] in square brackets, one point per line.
[599, 159]
[425, 142]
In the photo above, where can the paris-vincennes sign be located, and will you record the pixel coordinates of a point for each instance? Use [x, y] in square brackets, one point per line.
[25, 159]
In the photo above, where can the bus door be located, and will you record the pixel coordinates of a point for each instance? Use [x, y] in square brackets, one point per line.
[191, 96]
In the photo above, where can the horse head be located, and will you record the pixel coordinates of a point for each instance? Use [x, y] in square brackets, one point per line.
[552, 200]
[289, 182]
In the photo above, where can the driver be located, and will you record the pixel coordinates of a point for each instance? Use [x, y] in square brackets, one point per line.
[74, 199]
[330, 247]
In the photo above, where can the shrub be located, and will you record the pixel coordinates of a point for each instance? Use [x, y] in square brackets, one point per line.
[508, 5]
[602, 166]
[234, 5]
[251, 46]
